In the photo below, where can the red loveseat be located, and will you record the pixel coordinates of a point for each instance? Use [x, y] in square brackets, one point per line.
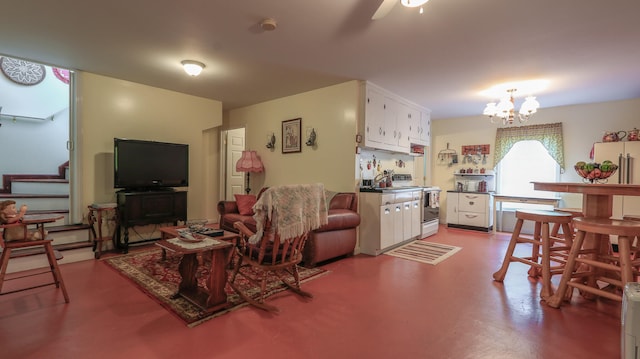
[335, 239]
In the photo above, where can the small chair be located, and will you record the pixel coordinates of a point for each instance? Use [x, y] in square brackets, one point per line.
[575, 212]
[9, 246]
[553, 249]
[601, 265]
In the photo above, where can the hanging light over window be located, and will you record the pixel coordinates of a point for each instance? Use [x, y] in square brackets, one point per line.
[193, 68]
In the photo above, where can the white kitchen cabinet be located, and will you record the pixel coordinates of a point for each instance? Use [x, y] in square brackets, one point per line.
[470, 210]
[374, 131]
[388, 219]
[419, 124]
[627, 156]
[392, 123]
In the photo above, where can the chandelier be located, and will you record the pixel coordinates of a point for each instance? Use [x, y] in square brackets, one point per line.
[504, 110]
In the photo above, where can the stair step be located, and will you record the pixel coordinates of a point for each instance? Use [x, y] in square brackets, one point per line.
[39, 260]
[40, 186]
[17, 253]
[40, 202]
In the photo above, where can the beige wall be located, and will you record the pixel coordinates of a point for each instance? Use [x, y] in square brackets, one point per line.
[332, 111]
[582, 126]
[109, 108]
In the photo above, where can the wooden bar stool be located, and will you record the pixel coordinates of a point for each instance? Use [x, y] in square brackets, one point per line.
[575, 212]
[553, 249]
[601, 265]
[9, 246]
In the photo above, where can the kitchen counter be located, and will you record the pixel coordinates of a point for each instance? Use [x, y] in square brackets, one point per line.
[390, 189]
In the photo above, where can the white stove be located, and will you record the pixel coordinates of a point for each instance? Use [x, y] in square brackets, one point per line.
[430, 203]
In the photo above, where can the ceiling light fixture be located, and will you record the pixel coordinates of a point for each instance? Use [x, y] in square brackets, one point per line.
[268, 24]
[193, 68]
[414, 3]
[504, 110]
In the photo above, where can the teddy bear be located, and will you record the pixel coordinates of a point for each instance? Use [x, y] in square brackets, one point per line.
[9, 215]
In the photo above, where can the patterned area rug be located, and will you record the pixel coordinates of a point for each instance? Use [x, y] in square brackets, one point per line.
[159, 279]
[425, 252]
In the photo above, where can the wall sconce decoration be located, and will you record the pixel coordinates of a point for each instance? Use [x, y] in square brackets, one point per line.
[271, 141]
[311, 140]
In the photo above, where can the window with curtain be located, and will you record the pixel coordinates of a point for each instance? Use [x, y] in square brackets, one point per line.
[525, 154]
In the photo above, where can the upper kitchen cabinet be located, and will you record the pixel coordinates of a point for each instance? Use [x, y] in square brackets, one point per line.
[392, 123]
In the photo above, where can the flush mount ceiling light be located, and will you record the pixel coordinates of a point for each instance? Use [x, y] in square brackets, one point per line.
[191, 67]
[268, 24]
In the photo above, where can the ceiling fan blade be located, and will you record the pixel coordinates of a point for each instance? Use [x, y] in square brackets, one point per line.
[384, 9]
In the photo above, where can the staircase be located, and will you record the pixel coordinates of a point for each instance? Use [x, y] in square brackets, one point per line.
[47, 194]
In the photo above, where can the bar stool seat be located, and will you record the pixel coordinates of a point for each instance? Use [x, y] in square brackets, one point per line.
[9, 246]
[600, 264]
[575, 212]
[553, 249]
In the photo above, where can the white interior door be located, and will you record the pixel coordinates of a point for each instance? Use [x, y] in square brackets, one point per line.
[234, 180]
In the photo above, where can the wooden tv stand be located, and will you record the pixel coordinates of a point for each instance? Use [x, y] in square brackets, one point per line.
[139, 208]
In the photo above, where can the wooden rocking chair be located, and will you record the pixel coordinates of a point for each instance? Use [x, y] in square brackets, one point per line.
[270, 255]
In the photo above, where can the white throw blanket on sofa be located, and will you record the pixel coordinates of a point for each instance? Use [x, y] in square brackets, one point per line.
[292, 209]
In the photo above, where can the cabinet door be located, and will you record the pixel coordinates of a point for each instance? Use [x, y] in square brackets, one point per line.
[416, 219]
[398, 222]
[374, 116]
[387, 226]
[425, 128]
[407, 217]
[390, 120]
[452, 207]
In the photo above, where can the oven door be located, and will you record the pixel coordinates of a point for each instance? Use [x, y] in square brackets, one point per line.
[430, 205]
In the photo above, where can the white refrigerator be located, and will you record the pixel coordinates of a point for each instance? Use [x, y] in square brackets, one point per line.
[627, 156]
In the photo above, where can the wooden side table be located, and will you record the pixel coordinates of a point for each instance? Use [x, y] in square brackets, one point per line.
[99, 214]
[213, 297]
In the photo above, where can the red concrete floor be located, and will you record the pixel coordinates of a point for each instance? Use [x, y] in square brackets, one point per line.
[367, 307]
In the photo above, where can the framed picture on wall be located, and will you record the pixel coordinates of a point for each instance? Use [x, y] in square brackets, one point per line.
[291, 133]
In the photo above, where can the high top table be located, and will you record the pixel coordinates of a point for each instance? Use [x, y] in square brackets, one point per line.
[597, 199]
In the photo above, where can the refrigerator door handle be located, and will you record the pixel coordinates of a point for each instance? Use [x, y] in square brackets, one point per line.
[628, 168]
[620, 169]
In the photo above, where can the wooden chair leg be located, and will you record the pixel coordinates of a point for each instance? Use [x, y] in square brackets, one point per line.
[4, 262]
[55, 270]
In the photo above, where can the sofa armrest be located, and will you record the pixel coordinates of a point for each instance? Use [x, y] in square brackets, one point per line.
[225, 207]
[344, 200]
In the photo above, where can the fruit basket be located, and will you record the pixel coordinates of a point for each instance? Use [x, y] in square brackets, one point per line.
[596, 172]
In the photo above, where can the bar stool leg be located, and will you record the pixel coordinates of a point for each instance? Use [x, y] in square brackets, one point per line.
[502, 272]
[546, 291]
[534, 272]
[555, 300]
[626, 270]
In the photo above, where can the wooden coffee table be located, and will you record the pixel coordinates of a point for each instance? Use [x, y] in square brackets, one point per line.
[213, 297]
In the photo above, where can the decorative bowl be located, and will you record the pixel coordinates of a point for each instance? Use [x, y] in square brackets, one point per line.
[593, 173]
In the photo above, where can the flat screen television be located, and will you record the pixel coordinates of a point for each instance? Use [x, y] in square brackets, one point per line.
[145, 165]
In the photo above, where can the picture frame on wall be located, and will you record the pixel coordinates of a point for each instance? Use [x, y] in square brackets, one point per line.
[291, 135]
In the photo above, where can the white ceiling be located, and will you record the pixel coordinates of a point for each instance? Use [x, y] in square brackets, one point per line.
[589, 50]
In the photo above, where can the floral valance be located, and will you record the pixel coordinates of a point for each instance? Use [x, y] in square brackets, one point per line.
[550, 135]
